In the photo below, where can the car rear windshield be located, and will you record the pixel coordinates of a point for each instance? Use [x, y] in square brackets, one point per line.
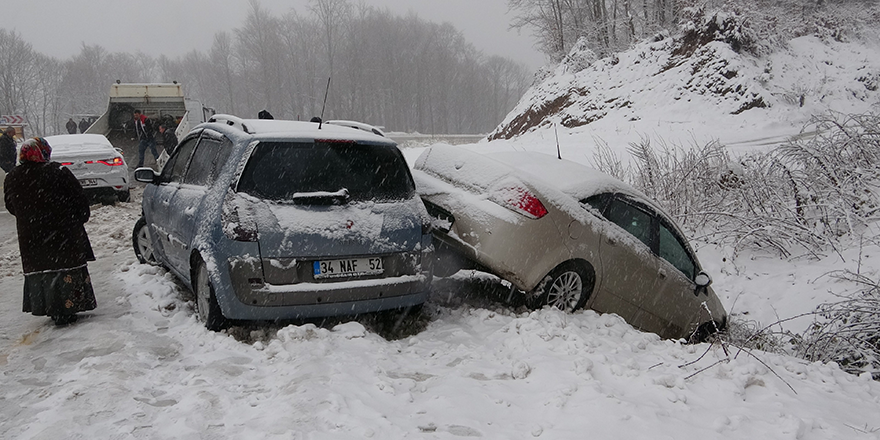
[279, 170]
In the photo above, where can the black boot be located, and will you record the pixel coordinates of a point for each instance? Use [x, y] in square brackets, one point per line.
[64, 319]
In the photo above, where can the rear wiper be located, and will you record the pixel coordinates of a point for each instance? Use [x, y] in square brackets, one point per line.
[321, 197]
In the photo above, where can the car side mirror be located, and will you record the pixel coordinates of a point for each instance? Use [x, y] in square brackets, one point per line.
[145, 175]
[702, 280]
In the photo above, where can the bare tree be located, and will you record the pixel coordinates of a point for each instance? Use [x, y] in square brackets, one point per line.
[332, 14]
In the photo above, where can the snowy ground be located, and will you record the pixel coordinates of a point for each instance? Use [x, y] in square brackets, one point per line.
[141, 366]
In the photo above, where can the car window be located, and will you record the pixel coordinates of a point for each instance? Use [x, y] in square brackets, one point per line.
[632, 219]
[201, 169]
[675, 252]
[222, 157]
[598, 202]
[176, 166]
[278, 170]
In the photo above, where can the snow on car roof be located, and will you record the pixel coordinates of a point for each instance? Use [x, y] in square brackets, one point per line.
[570, 177]
[277, 128]
[574, 179]
[481, 171]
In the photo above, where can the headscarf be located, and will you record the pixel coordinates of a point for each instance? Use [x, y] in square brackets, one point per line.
[35, 150]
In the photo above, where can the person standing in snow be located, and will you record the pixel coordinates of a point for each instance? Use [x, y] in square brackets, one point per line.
[50, 209]
[83, 125]
[169, 139]
[7, 149]
[144, 129]
[71, 126]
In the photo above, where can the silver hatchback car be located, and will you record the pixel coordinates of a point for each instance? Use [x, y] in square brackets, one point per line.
[567, 236]
[270, 219]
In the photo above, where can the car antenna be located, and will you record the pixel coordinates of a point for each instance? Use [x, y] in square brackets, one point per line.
[326, 92]
[556, 130]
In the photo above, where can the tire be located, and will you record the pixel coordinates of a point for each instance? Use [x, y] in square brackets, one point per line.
[142, 243]
[123, 196]
[206, 300]
[567, 287]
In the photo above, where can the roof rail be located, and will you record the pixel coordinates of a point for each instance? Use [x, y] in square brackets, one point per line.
[230, 120]
[358, 126]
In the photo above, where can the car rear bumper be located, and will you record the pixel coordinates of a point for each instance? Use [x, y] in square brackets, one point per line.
[255, 299]
[515, 248]
[320, 300]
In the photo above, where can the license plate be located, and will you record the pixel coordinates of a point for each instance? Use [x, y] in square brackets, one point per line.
[88, 182]
[348, 267]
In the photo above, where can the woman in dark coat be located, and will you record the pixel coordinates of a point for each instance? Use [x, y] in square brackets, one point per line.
[50, 209]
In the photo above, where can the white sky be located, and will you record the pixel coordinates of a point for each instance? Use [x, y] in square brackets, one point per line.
[59, 27]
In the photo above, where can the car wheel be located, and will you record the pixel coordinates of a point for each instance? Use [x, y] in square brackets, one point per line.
[206, 300]
[567, 287]
[123, 196]
[143, 245]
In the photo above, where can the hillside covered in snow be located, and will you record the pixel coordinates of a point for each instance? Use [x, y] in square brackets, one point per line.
[714, 80]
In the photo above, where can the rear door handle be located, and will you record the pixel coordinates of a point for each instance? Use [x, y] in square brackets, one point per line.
[662, 273]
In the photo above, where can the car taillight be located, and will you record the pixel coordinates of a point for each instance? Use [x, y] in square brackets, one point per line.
[115, 162]
[519, 199]
[66, 163]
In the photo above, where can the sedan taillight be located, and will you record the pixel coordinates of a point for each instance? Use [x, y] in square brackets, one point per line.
[115, 162]
[519, 199]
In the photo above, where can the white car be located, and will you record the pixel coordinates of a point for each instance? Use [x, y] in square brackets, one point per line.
[98, 165]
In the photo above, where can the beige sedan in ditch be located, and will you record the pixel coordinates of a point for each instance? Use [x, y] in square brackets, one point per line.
[567, 236]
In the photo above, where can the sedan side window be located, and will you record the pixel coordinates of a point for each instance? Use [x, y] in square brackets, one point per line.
[598, 202]
[675, 252]
[631, 219]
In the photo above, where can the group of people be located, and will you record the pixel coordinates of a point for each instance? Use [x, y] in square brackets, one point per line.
[72, 126]
[50, 210]
[143, 126]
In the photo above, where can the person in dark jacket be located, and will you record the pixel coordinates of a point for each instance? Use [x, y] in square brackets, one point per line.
[50, 210]
[71, 126]
[169, 139]
[144, 129]
[83, 125]
[7, 149]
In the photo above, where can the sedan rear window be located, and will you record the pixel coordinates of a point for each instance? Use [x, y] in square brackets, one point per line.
[279, 170]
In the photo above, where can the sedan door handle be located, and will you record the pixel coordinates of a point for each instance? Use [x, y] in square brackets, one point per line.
[662, 273]
[612, 241]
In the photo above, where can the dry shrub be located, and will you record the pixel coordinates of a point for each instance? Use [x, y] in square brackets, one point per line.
[847, 331]
[799, 198]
